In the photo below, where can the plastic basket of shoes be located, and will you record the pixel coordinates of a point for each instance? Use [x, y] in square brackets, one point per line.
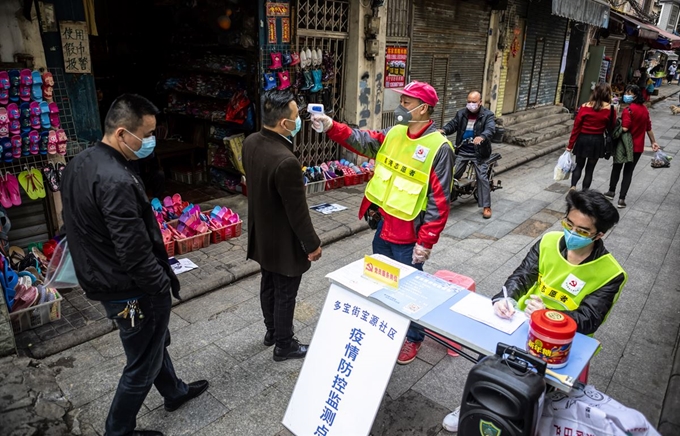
[190, 232]
[34, 305]
[224, 224]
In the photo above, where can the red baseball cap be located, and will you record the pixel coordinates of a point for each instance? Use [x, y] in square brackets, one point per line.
[420, 90]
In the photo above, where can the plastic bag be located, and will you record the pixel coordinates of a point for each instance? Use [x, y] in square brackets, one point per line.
[60, 272]
[585, 410]
[661, 160]
[565, 165]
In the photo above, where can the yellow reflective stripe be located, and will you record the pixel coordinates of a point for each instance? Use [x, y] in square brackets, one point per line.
[556, 295]
[403, 169]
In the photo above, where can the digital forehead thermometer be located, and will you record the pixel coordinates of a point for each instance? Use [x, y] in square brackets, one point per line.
[316, 108]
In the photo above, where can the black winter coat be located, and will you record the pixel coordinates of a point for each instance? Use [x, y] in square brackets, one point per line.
[113, 236]
[280, 230]
[593, 308]
[485, 125]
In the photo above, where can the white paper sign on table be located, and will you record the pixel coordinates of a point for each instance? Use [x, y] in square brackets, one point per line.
[479, 308]
[347, 368]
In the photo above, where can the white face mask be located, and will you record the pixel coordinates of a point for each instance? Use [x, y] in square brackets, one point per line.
[472, 107]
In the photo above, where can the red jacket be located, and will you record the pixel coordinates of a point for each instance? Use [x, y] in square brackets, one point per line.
[427, 226]
[591, 122]
[638, 123]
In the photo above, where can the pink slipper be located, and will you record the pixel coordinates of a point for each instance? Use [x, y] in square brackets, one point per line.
[5, 199]
[52, 142]
[12, 185]
[54, 115]
[62, 140]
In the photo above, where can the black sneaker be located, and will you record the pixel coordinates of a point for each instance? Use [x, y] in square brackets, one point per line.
[296, 350]
[622, 203]
[609, 195]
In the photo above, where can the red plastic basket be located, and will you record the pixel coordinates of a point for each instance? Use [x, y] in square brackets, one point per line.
[193, 243]
[170, 248]
[227, 232]
[336, 183]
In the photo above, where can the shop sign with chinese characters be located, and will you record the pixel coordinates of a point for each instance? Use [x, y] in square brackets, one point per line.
[277, 9]
[347, 368]
[395, 67]
[75, 46]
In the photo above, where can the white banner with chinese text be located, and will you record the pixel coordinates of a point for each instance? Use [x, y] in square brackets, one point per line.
[347, 368]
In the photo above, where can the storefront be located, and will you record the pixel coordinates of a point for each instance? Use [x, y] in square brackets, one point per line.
[206, 64]
[542, 56]
[443, 43]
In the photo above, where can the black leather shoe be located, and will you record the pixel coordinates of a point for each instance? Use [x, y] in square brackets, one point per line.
[146, 433]
[269, 338]
[295, 351]
[195, 389]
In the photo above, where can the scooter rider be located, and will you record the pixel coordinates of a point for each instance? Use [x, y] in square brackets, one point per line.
[411, 185]
[478, 122]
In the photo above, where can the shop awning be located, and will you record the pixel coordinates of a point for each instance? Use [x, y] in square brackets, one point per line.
[636, 27]
[667, 40]
[593, 12]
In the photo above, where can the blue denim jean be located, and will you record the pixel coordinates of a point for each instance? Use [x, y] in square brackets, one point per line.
[401, 253]
[148, 362]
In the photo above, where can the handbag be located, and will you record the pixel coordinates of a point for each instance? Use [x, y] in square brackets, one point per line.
[623, 150]
[609, 140]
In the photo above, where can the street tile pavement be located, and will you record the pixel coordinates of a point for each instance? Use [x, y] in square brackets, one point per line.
[218, 335]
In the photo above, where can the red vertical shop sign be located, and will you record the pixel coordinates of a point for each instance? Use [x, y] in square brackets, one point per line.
[285, 30]
[271, 25]
[395, 67]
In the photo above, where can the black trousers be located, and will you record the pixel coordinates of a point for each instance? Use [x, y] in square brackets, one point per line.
[148, 362]
[277, 297]
[628, 168]
[590, 169]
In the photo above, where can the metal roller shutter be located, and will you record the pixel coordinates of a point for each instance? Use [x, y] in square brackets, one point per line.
[448, 50]
[609, 47]
[624, 62]
[543, 48]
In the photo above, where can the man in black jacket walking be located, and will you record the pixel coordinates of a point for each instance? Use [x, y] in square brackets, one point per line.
[120, 259]
[479, 124]
[281, 237]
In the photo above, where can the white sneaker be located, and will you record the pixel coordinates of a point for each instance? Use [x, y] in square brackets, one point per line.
[451, 421]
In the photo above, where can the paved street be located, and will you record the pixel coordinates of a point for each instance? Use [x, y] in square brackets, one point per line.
[218, 336]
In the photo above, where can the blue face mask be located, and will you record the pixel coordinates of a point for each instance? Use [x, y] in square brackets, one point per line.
[298, 126]
[575, 241]
[628, 98]
[148, 144]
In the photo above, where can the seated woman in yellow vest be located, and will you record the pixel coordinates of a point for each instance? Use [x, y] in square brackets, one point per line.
[570, 271]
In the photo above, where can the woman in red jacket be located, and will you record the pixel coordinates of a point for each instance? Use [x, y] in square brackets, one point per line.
[634, 119]
[587, 136]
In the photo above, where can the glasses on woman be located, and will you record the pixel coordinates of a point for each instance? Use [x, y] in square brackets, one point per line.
[570, 227]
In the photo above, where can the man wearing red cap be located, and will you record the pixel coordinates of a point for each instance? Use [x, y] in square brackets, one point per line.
[411, 185]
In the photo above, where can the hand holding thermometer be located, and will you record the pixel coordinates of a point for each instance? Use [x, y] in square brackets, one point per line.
[316, 108]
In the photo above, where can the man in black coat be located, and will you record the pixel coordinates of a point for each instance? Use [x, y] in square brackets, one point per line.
[120, 259]
[479, 124]
[281, 237]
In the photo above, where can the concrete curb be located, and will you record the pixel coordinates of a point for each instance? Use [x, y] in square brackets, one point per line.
[219, 279]
[528, 158]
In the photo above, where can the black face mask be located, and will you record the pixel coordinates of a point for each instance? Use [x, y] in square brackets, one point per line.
[403, 116]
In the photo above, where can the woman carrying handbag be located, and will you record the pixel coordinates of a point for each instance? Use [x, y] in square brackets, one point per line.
[635, 122]
[587, 140]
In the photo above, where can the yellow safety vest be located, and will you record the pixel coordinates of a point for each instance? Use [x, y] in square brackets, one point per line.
[563, 286]
[402, 172]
